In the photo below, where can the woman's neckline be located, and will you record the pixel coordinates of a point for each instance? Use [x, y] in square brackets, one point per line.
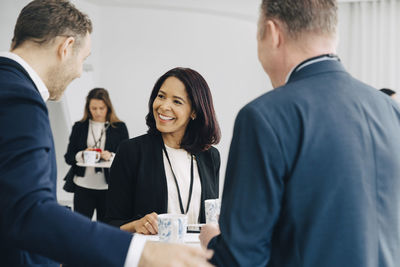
[96, 122]
[172, 148]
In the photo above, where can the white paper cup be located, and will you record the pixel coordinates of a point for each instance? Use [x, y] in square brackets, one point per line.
[91, 157]
[172, 227]
[212, 207]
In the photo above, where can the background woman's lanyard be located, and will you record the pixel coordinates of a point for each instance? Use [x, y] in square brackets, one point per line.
[97, 143]
[176, 182]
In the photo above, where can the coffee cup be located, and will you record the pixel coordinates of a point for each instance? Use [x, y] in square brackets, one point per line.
[172, 227]
[91, 157]
[212, 209]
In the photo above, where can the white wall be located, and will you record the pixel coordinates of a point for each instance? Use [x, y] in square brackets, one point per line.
[9, 11]
[370, 40]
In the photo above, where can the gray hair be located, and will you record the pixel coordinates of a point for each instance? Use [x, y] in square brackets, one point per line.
[300, 16]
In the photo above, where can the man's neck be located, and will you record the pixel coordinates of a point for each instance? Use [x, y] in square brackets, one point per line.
[297, 52]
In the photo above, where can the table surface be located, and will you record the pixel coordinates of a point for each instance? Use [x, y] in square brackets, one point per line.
[191, 239]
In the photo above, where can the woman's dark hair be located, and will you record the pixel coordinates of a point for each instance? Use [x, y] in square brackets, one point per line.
[203, 131]
[387, 91]
[100, 94]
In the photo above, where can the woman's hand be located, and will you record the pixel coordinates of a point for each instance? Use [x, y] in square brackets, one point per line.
[106, 155]
[146, 225]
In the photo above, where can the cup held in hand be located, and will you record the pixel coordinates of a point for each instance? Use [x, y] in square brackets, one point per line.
[172, 227]
[212, 207]
[91, 157]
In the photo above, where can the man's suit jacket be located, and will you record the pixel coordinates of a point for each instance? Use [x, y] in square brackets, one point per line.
[138, 185]
[32, 225]
[313, 176]
[78, 142]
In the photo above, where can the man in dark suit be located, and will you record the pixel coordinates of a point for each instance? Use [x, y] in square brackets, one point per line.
[51, 41]
[313, 176]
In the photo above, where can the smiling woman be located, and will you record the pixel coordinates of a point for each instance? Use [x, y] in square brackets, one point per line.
[172, 111]
[174, 167]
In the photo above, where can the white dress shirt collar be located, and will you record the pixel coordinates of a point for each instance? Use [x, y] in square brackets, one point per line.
[44, 92]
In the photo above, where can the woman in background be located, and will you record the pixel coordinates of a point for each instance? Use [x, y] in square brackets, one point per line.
[101, 130]
[173, 168]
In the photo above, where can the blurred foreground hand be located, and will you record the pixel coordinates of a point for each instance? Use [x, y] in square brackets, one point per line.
[207, 233]
[173, 255]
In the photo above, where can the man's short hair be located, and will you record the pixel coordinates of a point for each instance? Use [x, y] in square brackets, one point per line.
[43, 20]
[301, 16]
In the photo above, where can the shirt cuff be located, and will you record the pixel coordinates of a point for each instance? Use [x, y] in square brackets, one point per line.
[135, 250]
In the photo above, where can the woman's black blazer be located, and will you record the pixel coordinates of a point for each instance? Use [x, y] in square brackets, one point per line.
[138, 185]
[78, 142]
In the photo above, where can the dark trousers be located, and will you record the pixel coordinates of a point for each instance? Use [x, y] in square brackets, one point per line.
[87, 200]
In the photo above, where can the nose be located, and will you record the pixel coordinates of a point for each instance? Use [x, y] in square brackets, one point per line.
[165, 106]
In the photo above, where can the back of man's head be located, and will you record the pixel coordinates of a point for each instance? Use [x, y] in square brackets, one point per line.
[42, 20]
[303, 16]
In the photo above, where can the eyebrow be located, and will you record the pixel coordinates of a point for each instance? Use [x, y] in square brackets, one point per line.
[178, 97]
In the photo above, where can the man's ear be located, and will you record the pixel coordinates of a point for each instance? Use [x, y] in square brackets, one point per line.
[65, 47]
[273, 29]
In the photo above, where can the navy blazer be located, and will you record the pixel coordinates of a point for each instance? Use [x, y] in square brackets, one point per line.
[313, 176]
[32, 225]
[138, 183]
[78, 142]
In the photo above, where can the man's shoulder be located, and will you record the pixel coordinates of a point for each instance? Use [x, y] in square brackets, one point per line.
[10, 68]
[15, 84]
[271, 100]
[277, 105]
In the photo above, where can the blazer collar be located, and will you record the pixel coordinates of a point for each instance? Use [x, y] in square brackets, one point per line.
[316, 68]
[19, 63]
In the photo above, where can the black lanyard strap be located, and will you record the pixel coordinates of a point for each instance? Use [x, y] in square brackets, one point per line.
[176, 182]
[97, 143]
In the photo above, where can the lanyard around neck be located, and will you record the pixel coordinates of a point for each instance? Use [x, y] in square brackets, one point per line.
[176, 182]
[97, 143]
